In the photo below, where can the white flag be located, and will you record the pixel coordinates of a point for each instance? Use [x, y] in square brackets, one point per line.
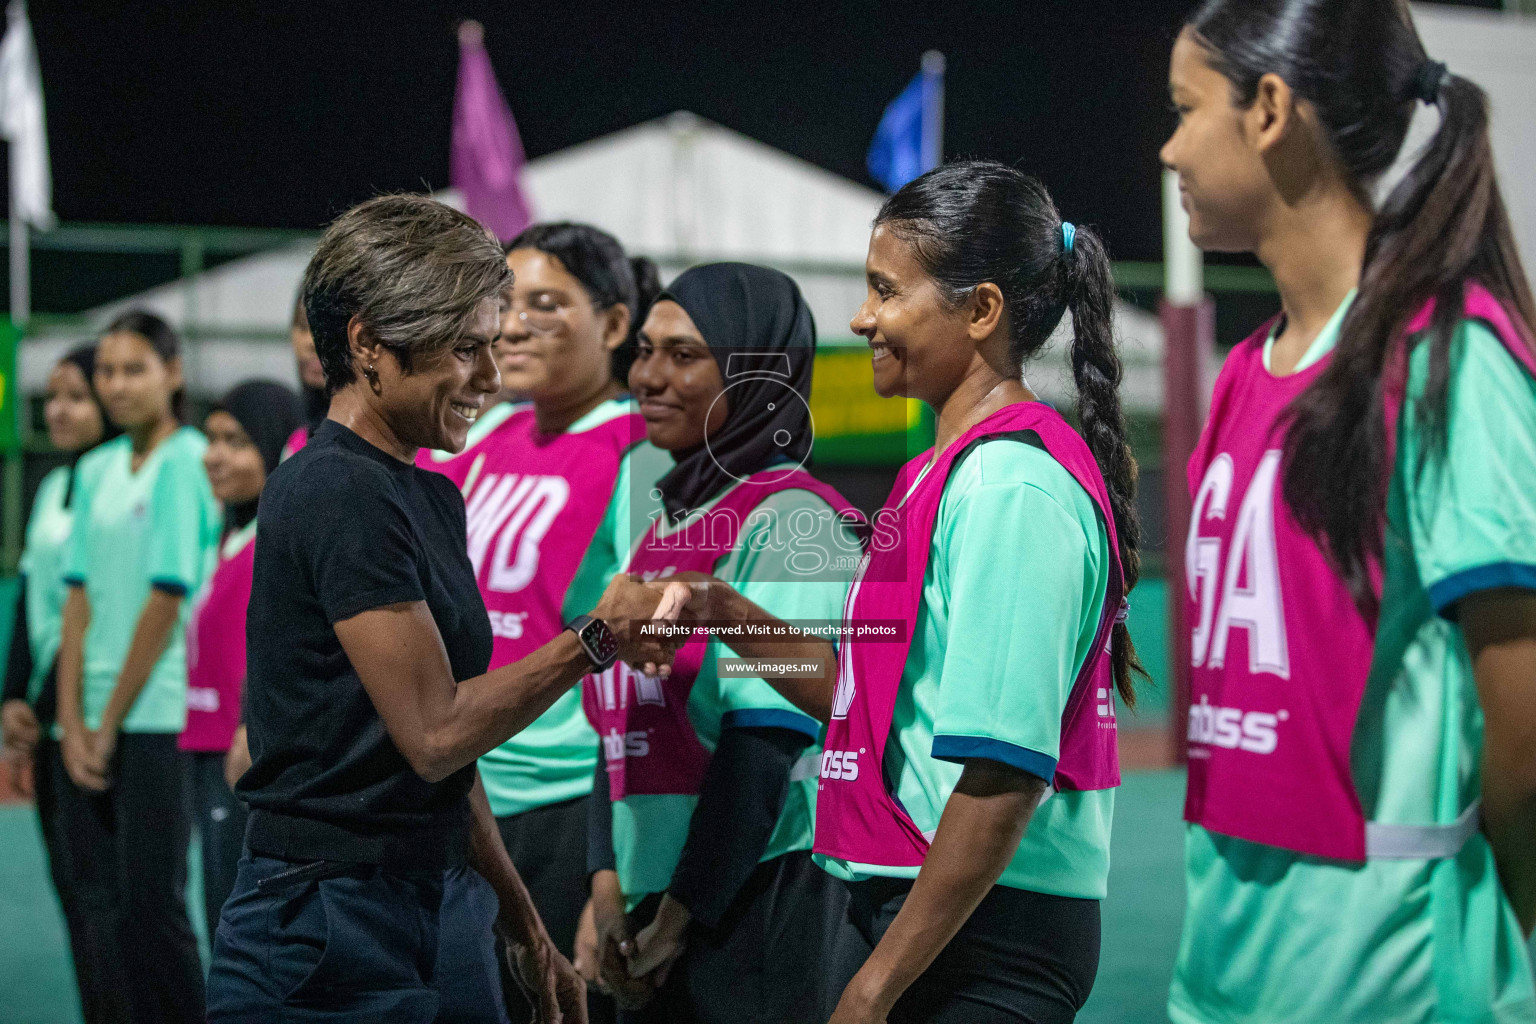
[22, 122]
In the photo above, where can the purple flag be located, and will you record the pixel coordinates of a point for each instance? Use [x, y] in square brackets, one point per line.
[487, 162]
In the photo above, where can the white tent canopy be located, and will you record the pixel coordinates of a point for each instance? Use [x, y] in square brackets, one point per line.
[685, 190]
[679, 189]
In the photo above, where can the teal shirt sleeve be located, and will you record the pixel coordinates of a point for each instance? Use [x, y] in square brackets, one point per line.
[77, 551]
[1472, 515]
[177, 554]
[792, 575]
[1021, 560]
[636, 501]
[47, 495]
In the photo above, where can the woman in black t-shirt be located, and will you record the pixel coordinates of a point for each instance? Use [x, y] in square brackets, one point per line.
[367, 698]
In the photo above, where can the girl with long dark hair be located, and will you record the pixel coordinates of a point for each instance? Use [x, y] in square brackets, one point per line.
[967, 785]
[144, 531]
[1362, 554]
[560, 483]
[77, 422]
[966, 782]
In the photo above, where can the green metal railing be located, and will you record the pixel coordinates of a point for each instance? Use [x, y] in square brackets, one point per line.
[195, 245]
[191, 241]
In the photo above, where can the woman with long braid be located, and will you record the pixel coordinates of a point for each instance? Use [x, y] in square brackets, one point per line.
[1362, 555]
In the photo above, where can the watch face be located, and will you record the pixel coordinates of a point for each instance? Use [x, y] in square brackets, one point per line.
[600, 641]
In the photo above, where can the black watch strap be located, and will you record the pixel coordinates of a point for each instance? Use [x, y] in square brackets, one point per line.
[596, 639]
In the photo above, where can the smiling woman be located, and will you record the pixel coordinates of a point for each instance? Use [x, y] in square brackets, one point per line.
[576, 438]
[367, 695]
[397, 296]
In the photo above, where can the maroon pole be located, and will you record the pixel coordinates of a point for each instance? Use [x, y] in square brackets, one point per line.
[1189, 344]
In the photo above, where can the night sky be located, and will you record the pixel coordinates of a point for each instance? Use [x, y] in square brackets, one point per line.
[284, 114]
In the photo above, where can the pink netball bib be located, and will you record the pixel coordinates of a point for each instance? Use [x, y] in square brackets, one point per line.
[649, 743]
[296, 441]
[216, 650]
[857, 816]
[533, 503]
[1280, 653]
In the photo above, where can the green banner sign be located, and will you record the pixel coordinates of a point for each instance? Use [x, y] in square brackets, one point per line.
[855, 426]
[10, 422]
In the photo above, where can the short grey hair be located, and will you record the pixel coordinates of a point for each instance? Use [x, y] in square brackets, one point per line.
[412, 270]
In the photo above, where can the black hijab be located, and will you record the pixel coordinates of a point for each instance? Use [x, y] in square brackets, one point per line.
[269, 414]
[83, 358]
[763, 337]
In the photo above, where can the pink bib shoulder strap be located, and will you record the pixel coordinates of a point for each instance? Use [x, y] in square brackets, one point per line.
[1480, 304]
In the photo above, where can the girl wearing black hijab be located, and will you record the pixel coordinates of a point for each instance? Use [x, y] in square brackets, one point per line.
[706, 904]
[246, 432]
[77, 422]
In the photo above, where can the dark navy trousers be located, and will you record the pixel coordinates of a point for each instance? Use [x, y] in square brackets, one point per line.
[331, 942]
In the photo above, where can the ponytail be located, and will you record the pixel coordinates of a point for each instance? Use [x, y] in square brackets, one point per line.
[977, 220]
[1097, 372]
[1361, 65]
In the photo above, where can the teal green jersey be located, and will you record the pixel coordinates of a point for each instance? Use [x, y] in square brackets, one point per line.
[42, 563]
[157, 527]
[554, 757]
[1012, 597]
[1271, 935]
[649, 831]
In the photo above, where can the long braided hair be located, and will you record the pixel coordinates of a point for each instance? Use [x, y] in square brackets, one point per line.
[974, 221]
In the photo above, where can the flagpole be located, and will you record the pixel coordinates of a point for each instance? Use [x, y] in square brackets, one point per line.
[21, 270]
[21, 265]
[933, 110]
[11, 511]
[27, 157]
[1189, 343]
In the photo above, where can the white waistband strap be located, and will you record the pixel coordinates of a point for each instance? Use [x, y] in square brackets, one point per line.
[807, 766]
[1421, 842]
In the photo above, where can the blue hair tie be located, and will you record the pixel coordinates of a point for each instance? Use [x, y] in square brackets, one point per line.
[1068, 235]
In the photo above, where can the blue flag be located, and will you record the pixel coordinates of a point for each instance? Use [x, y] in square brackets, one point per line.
[907, 142]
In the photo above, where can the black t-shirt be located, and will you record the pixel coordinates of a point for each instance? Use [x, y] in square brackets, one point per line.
[345, 528]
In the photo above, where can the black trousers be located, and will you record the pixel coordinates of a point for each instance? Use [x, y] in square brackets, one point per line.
[128, 869]
[770, 960]
[325, 941]
[1022, 958]
[549, 846]
[48, 768]
[220, 822]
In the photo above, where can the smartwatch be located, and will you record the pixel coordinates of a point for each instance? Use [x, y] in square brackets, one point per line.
[597, 640]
